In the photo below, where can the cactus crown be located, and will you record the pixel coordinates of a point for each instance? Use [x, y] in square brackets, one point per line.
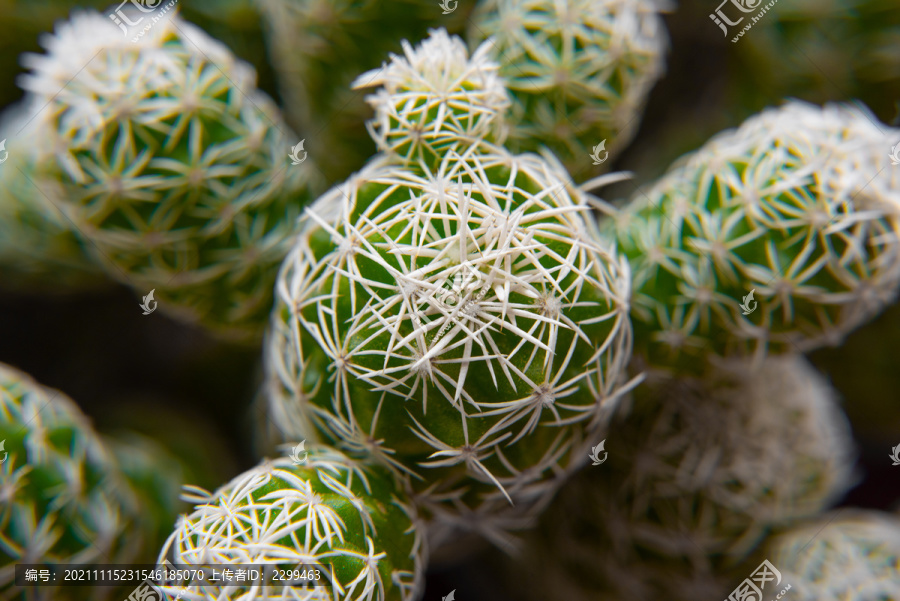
[436, 97]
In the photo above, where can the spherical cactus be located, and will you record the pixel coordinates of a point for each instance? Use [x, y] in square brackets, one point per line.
[465, 327]
[328, 509]
[319, 47]
[436, 98]
[38, 251]
[579, 71]
[63, 498]
[794, 213]
[848, 555]
[174, 167]
[696, 474]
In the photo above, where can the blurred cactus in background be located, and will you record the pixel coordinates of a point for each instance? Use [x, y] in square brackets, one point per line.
[319, 47]
[38, 249]
[329, 510]
[64, 497]
[699, 471]
[172, 165]
[798, 205]
[852, 556]
[578, 71]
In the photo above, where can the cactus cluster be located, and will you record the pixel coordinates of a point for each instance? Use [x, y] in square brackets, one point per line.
[458, 318]
[456, 328]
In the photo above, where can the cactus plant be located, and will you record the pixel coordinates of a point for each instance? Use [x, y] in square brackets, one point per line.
[852, 556]
[172, 165]
[797, 206]
[63, 498]
[328, 510]
[698, 471]
[578, 71]
[459, 318]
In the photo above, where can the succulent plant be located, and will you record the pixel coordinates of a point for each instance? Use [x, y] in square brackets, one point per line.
[63, 498]
[38, 250]
[435, 99]
[457, 318]
[172, 165]
[852, 556]
[793, 212]
[320, 46]
[698, 471]
[578, 71]
[328, 510]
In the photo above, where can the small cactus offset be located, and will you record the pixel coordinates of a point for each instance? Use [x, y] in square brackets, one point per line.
[174, 168]
[329, 510]
[578, 71]
[797, 207]
[434, 99]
